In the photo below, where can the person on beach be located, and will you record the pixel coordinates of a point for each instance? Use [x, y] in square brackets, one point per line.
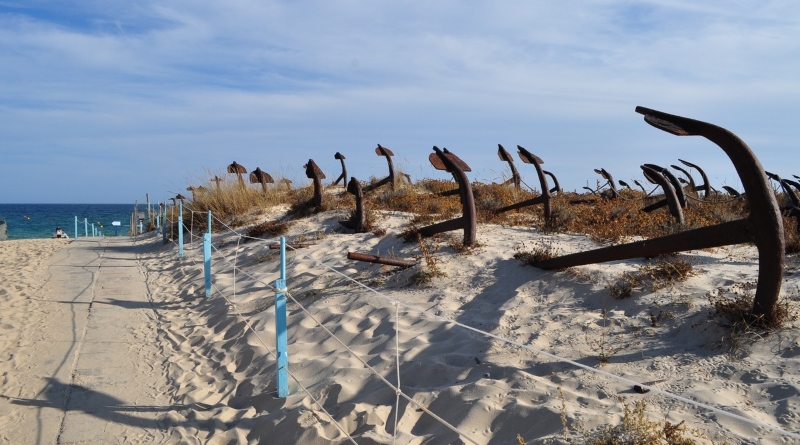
[60, 233]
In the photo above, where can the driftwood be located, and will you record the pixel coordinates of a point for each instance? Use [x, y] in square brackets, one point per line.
[380, 260]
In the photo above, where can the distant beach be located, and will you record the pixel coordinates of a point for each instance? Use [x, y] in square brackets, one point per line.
[30, 221]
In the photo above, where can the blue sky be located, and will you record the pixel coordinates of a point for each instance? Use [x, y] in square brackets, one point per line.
[103, 101]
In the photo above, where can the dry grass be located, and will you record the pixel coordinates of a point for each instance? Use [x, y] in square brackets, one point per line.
[658, 273]
[637, 429]
[269, 228]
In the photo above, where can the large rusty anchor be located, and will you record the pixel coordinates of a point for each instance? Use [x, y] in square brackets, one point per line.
[763, 226]
[658, 175]
[258, 176]
[544, 199]
[357, 221]
[448, 161]
[506, 156]
[343, 176]
[392, 178]
[313, 172]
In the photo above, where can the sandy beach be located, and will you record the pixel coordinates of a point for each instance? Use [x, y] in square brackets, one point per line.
[113, 341]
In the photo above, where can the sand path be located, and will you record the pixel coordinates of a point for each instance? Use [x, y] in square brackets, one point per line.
[86, 366]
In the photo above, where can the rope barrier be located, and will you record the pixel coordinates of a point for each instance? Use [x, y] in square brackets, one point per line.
[399, 392]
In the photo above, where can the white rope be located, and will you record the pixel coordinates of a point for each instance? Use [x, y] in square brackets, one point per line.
[562, 359]
[520, 345]
[397, 367]
[269, 351]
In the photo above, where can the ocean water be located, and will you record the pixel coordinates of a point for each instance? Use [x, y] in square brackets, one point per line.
[40, 220]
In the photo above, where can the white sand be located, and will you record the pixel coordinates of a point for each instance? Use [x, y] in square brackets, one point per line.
[490, 391]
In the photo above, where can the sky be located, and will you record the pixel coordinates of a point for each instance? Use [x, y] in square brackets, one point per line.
[103, 101]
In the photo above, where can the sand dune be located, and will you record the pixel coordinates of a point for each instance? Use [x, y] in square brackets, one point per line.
[217, 366]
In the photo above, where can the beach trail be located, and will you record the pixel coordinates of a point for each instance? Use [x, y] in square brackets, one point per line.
[86, 366]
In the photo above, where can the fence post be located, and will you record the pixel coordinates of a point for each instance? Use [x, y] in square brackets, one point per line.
[76, 226]
[163, 210]
[207, 256]
[280, 327]
[180, 229]
[86, 227]
[93, 233]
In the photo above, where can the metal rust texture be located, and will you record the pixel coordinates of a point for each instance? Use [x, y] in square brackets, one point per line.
[612, 192]
[691, 184]
[258, 176]
[732, 191]
[794, 184]
[763, 226]
[238, 169]
[544, 199]
[392, 178]
[343, 176]
[356, 256]
[676, 185]
[506, 157]
[313, 172]
[357, 221]
[556, 186]
[671, 199]
[706, 185]
[787, 189]
[445, 160]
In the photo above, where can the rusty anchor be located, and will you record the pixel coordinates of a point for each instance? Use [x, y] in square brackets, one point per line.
[732, 191]
[506, 156]
[692, 187]
[357, 221]
[313, 172]
[356, 256]
[556, 186]
[217, 180]
[544, 199]
[792, 208]
[624, 184]
[612, 192]
[706, 185]
[238, 169]
[763, 226]
[392, 178]
[676, 188]
[261, 177]
[445, 160]
[343, 176]
[657, 175]
[640, 186]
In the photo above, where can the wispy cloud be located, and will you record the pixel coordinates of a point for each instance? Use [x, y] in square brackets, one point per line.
[185, 85]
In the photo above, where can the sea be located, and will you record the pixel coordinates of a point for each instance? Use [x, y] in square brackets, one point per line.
[27, 221]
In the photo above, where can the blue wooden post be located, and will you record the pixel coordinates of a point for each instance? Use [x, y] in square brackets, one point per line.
[180, 229]
[93, 232]
[207, 256]
[86, 227]
[76, 226]
[164, 226]
[280, 327]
